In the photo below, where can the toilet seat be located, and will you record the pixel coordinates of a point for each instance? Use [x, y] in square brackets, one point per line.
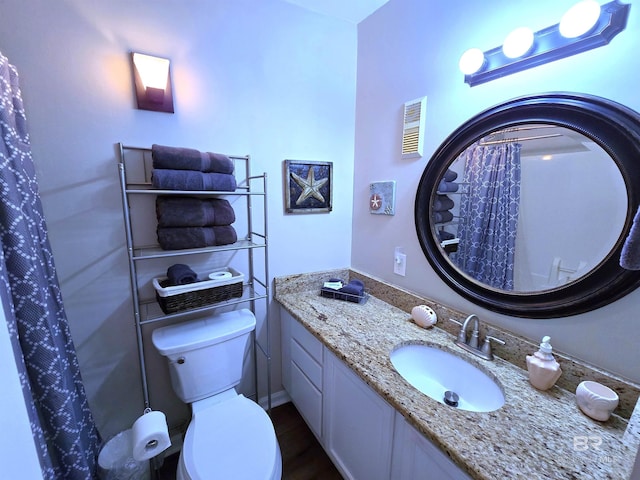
[231, 439]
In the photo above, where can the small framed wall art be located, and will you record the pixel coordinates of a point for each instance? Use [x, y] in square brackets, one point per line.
[382, 198]
[308, 186]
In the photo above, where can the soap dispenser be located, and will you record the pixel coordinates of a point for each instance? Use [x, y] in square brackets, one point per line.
[543, 369]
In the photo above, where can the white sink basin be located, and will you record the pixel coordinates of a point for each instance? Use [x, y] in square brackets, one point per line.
[434, 372]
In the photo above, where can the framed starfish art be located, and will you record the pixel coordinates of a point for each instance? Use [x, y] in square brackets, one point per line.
[308, 186]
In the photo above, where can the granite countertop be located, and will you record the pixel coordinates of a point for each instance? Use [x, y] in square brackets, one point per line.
[535, 435]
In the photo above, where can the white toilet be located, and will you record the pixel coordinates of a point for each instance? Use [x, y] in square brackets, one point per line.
[229, 436]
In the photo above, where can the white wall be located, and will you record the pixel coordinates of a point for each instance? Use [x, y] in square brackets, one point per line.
[567, 197]
[17, 451]
[258, 77]
[409, 49]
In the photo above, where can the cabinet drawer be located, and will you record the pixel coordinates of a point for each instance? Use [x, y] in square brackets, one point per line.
[307, 399]
[307, 364]
[310, 343]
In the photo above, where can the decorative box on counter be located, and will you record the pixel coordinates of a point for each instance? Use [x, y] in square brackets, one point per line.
[353, 291]
[221, 285]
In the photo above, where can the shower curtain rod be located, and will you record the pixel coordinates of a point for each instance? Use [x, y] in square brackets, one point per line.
[522, 139]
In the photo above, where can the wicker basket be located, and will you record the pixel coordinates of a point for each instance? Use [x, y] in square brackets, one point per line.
[178, 298]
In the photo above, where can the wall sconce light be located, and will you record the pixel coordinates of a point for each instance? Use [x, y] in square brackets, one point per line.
[584, 26]
[152, 82]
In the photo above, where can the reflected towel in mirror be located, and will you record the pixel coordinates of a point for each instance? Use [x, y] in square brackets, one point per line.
[445, 186]
[442, 203]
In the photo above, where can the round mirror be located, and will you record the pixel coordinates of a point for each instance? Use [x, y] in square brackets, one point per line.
[524, 209]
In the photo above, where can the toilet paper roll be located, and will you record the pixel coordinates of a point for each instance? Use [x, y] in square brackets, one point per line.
[222, 275]
[150, 436]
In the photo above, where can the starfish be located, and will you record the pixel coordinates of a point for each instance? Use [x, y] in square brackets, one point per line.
[310, 187]
[376, 201]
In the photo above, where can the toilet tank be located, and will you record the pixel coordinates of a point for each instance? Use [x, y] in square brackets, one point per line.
[205, 355]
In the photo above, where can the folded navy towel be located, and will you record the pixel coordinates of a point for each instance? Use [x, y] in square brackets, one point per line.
[442, 203]
[450, 176]
[630, 254]
[442, 217]
[181, 274]
[164, 179]
[175, 158]
[193, 212]
[445, 186]
[178, 238]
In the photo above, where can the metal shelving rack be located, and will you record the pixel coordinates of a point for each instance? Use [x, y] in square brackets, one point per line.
[255, 287]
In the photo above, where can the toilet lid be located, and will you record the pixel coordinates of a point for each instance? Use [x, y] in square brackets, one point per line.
[232, 439]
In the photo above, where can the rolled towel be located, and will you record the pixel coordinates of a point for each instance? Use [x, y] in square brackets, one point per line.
[442, 217]
[441, 203]
[450, 175]
[193, 212]
[178, 238]
[163, 179]
[444, 235]
[181, 274]
[175, 158]
[630, 254]
[445, 186]
[353, 291]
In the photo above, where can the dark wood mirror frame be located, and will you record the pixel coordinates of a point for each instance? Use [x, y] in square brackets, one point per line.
[615, 128]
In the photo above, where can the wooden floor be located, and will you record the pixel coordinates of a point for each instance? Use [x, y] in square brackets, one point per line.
[302, 456]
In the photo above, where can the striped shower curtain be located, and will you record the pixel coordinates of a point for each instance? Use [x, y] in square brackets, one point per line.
[489, 213]
[62, 424]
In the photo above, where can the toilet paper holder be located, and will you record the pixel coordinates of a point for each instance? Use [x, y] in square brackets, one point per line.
[150, 435]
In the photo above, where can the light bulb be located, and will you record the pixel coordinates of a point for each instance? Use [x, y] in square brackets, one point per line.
[579, 19]
[471, 61]
[518, 42]
[153, 71]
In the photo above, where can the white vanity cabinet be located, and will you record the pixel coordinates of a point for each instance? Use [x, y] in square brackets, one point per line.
[414, 456]
[302, 358]
[358, 424]
[362, 434]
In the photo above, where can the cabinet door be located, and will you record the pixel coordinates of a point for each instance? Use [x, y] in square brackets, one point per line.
[307, 399]
[414, 456]
[358, 424]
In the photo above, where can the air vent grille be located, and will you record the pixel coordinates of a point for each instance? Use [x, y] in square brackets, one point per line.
[413, 128]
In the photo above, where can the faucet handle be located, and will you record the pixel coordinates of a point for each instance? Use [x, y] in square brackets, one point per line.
[486, 347]
[456, 322]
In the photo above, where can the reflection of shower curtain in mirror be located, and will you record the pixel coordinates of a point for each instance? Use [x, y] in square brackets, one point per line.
[489, 213]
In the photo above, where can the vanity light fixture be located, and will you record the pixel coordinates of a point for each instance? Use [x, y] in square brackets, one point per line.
[152, 81]
[472, 61]
[584, 26]
[518, 42]
[580, 19]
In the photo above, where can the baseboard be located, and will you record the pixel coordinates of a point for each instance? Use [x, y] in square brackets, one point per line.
[277, 399]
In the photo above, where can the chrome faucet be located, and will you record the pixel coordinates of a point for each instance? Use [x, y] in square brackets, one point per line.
[470, 344]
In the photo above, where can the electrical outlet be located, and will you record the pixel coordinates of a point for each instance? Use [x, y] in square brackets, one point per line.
[399, 262]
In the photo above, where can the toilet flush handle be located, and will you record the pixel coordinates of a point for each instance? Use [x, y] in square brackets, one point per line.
[180, 361]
